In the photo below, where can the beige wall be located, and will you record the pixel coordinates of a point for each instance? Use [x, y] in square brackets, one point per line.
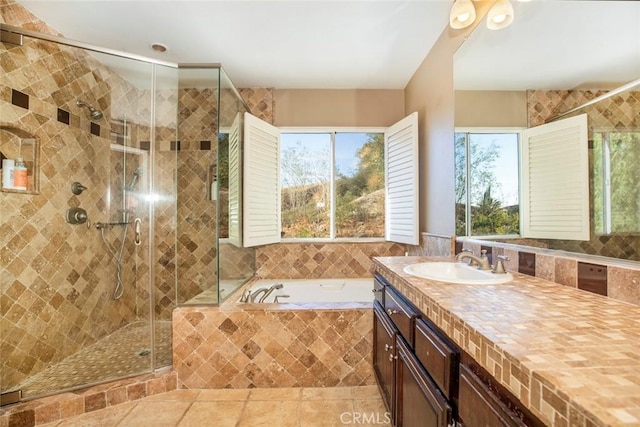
[349, 107]
[490, 108]
[430, 92]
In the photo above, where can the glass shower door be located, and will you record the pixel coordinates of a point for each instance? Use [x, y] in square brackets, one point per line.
[75, 289]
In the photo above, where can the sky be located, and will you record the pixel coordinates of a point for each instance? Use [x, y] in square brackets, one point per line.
[506, 165]
[347, 144]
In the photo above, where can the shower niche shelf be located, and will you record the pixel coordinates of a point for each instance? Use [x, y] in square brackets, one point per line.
[14, 143]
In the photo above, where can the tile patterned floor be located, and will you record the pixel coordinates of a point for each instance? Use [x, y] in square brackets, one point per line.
[121, 354]
[274, 407]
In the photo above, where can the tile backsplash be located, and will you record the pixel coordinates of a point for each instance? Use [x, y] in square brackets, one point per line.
[605, 276]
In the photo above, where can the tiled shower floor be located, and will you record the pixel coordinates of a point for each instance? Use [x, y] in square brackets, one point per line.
[124, 353]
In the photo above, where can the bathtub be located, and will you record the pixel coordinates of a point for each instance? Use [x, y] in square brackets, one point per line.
[317, 290]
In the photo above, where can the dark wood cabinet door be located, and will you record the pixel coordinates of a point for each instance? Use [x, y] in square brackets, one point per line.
[384, 334]
[479, 407]
[438, 356]
[419, 402]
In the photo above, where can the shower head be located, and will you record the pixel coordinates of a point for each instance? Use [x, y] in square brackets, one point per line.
[93, 113]
[134, 178]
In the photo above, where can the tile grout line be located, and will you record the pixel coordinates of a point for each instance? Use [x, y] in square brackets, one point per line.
[244, 408]
[299, 408]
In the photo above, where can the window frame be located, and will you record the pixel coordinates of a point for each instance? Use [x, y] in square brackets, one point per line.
[490, 130]
[607, 205]
[331, 130]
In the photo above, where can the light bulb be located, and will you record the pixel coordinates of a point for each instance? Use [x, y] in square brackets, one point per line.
[500, 15]
[462, 14]
[499, 18]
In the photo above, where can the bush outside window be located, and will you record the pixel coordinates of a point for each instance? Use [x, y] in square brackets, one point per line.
[332, 185]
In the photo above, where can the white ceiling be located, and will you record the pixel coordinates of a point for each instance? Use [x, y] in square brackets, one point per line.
[266, 43]
[555, 45]
[333, 44]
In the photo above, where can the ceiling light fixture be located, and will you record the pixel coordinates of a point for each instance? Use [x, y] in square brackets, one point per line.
[159, 47]
[500, 15]
[462, 14]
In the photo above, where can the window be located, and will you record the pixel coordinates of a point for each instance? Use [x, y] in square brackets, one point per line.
[332, 184]
[616, 178]
[486, 182]
[328, 184]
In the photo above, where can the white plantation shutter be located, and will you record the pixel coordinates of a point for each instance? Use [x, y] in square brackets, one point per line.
[401, 177]
[555, 180]
[261, 195]
[235, 162]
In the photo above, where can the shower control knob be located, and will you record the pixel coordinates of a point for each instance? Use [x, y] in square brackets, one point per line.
[76, 216]
[77, 188]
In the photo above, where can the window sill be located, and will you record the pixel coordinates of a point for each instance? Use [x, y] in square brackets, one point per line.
[337, 240]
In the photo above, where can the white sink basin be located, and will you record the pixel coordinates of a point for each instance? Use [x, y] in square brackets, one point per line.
[456, 272]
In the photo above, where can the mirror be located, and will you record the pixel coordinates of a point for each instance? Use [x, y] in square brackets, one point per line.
[554, 57]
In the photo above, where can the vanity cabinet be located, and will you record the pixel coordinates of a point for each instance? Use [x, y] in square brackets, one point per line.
[411, 395]
[426, 380]
[419, 401]
[378, 290]
[384, 354]
[479, 407]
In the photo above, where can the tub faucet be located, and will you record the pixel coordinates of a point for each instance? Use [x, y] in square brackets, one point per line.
[246, 294]
[271, 289]
[255, 294]
[275, 300]
[481, 261]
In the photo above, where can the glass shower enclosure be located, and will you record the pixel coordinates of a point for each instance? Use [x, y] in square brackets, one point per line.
[118, 224]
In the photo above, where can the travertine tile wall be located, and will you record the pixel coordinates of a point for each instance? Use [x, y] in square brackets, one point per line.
[321, 260]
[433, 245]
[57, 279]
[246, 348]
[261, 102]
[197, 157]
[65, 405]
[622, 278]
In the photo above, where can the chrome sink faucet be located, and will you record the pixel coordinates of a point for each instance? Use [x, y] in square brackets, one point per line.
[481, 261]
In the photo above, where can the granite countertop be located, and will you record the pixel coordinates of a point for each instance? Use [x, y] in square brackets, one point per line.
[570, 356]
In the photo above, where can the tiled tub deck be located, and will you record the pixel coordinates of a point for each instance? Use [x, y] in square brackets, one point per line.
[273, 345]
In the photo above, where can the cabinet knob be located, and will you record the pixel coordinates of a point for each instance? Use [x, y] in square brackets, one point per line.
[388, 347]
[392, 357]
[391, 312]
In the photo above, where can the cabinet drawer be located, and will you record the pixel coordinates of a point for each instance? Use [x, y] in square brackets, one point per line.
[401, 313]
[378, 289]
[439, 357]
[479, 407]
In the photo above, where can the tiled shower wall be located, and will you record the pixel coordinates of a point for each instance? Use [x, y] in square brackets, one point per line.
[622, 113]
[197, 155]
[58, 279]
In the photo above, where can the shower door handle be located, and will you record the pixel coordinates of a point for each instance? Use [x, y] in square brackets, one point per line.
[138, 231]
